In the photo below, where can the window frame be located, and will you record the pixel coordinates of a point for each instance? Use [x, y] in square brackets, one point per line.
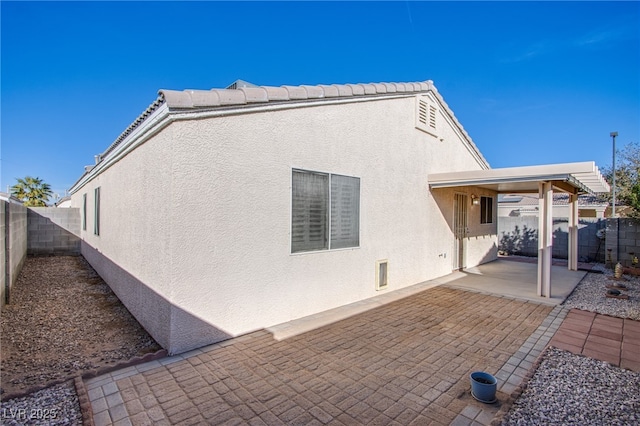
[96, 211]
[84, 211]
[486, 217]
[328, 215]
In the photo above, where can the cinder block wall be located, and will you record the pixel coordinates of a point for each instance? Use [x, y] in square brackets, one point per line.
[14, 245]
[623, 238]
[519, 235]
[53, 230]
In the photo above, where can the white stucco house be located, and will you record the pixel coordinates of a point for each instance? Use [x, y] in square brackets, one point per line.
[281, 202]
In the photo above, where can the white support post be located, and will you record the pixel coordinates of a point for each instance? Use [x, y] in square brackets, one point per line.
[573, 233]
[545, 237]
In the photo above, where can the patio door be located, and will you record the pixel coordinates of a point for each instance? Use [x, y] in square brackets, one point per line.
[460, 230]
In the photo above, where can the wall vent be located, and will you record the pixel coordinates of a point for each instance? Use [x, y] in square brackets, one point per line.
[432, 117]
[382, 274]
[426, 115]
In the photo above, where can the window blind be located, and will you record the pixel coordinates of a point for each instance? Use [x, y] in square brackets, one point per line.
[310, 199]
[325, 212]
[345, 211]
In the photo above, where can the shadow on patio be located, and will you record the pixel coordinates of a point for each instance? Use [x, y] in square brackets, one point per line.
[518, 280]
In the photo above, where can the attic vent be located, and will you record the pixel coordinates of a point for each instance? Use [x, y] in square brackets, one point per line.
[240, 83]
[426, 117]
[432, 117]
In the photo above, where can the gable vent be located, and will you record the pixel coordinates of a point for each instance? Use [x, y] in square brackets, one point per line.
[426, 115]
[432, 117]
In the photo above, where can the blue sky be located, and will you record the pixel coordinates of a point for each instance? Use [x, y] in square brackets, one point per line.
[531, 82]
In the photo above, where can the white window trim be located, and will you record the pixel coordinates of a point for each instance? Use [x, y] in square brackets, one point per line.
[96, 211]
[84, 211]
[327, 250]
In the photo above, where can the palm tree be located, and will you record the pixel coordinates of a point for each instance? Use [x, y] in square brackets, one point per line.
[33, 192]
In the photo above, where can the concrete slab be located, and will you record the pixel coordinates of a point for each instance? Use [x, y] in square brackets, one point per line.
[518, 280]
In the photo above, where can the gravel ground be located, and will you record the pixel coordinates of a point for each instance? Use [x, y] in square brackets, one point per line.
[569, 389]
[590, 295]
[57, 405]
[63, 321]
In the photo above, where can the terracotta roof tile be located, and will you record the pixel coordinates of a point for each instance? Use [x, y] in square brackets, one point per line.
[230, 96]
[369, 89]
[314, 92]
[296, 92]
[358, 89]
[344, 90]
[255, 94]
[330, 91]
[276, 93]
[390, 87]
[201, 98]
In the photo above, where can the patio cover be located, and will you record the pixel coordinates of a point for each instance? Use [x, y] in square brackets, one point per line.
[569, 177]
[573, 178]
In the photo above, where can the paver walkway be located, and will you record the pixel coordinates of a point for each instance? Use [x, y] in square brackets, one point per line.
[610, 339]
[403, 363]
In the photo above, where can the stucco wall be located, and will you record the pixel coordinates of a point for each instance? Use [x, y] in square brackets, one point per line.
[14, 245]
[201, 212]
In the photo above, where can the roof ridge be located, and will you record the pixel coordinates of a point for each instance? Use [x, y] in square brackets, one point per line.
[194, 98]
[219, 97]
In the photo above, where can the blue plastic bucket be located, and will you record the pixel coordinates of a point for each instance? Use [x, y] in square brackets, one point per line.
[483, 386]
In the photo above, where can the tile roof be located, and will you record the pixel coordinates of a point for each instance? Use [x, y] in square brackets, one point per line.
[263, 94]
[241, 94]
[186, 100]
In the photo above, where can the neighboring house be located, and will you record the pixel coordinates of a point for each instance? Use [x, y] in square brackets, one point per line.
[514, 205]
[281, 202]
[5, 196]
[64, 202]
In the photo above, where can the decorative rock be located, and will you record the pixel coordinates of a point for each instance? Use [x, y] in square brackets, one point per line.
[588, 296]
[573, 389]
[56, 405]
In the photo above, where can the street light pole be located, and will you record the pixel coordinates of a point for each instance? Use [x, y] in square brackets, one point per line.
[613, 210]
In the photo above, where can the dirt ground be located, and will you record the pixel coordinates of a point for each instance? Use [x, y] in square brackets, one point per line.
[63, 321]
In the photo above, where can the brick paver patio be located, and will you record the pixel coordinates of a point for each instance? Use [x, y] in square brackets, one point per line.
[403, 363]
[610, 339]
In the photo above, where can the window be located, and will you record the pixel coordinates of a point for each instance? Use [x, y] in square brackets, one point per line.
[325, 211]
[486, 209]
[96, 212]
[84, 212]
